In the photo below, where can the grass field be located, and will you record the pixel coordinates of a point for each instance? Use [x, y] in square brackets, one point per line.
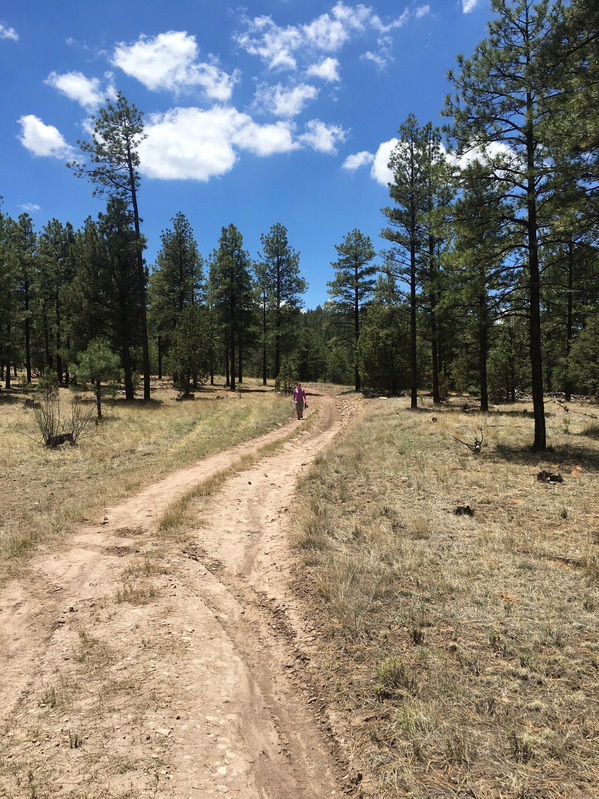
[462, 651]
[46, 491]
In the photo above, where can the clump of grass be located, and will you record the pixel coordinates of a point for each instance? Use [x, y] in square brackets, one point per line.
[392, 676]
[591, 430]
[135, 594]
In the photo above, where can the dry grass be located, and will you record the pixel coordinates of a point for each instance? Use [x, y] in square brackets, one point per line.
[47, 491]
[464, 649]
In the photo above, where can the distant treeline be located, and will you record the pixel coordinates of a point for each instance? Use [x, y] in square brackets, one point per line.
[490, 283]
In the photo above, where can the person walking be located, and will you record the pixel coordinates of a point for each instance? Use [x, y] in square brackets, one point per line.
[299, 400]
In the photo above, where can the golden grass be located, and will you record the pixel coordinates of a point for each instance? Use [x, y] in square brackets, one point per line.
[464, 649]
[47, 491]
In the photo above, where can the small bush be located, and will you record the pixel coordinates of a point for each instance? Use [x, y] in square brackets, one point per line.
[55, 429]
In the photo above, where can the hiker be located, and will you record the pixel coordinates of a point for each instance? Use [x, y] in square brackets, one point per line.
[299, 400]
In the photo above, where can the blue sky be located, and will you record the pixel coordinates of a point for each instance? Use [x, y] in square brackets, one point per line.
[276, 111]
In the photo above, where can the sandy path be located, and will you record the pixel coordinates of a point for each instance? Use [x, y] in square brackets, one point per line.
[136, 666]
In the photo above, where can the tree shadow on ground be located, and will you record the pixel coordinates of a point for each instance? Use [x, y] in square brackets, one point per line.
[8, 397]
[563, 456]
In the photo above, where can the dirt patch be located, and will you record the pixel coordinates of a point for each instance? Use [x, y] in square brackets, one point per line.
[138, 665]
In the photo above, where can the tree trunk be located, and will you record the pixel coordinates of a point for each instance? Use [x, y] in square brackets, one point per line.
[232, 364]
[569, 320]
[413, 339]
[27, 334]
[357, 384]
[141, 279]
[128, 370]
[536, 353]
[8, 354]
[483, 345]
[159, 357]
[99, 399]
[264, 328]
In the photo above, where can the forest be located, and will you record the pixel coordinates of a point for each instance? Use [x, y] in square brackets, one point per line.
[488, 284]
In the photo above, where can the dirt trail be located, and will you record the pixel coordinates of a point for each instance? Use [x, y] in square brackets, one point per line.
[135, 666]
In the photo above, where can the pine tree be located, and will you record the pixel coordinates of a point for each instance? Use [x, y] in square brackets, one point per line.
[176, 282]
[281, 286]
[232, 298]
[54, 275]
[104, 295]
[479, 273]
[418, 191]
[353, 285]
[113, 167]
[501, 105]
[9, 282]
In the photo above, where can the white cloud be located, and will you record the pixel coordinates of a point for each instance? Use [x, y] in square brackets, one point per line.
[169, 61]
[329, 32]
[85, 91]
[8, 33]
[30, 208]
[469, 5]
[193, 144]
[380, 168]
[281, 48]
[326, 70]
[265, 140]
[496, 153]
[43, 140]
[422, 11]
[355, 161]
[321, 137]
[274, 45]
[284, 102]
[380, 59]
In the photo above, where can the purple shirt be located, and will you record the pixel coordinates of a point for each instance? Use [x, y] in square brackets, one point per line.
[299, 394]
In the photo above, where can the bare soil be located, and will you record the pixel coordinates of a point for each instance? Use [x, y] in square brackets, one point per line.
[135, 664]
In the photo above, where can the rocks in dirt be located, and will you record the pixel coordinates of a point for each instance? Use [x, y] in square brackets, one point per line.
[545, 476]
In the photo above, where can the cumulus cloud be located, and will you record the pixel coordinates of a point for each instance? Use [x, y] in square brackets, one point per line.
[85, 91]
[196, 144]
[329, 32]
[280, 48]
[469, 5]
[497, 154]
[322, 137]
[284, 102]
[265, 140]
[170, 61]
[274, 45]
[326, 70]
[43, 140]
[8, 33]
[355, 161]
[379, 161]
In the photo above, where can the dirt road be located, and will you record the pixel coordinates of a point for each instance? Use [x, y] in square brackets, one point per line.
[138, 665]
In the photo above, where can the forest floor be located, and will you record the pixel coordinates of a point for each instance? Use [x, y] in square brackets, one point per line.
[143, 662]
